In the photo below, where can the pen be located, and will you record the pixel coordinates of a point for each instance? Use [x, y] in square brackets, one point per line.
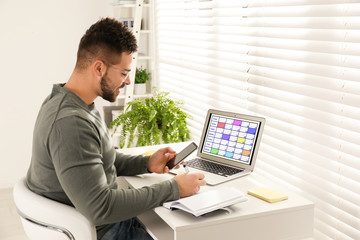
[186, 168]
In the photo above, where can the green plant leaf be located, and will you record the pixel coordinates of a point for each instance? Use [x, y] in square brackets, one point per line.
[152, 114]
[141, 75]
[152, 120]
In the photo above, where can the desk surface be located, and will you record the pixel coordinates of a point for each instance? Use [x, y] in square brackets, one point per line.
[254, 219]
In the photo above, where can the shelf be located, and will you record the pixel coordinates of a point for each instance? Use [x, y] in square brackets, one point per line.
[145, 31]
[144, 57]
[123, 96]
[142, 96]
[128, 5]
[141, 13]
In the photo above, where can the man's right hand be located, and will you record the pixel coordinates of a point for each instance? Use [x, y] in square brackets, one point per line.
[189, 183]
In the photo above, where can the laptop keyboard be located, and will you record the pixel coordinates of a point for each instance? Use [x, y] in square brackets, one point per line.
[211, 167]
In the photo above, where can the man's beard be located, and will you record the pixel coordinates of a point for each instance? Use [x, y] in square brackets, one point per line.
[107, 92]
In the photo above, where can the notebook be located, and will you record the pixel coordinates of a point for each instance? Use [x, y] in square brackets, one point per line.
[206, 202]
[228, 146]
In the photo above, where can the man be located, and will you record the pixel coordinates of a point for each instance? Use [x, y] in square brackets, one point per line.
[73, 159]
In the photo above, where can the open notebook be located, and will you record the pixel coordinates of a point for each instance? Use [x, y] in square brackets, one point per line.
[205, 202]
[228, 146]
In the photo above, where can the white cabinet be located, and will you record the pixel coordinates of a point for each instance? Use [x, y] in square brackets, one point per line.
[138, 15]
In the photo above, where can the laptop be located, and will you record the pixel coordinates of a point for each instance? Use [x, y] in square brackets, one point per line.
[228, 146]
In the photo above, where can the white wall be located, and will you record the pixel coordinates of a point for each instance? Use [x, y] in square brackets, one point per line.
[38, 44]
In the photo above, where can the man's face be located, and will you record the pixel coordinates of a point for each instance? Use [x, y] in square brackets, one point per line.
[116, 77]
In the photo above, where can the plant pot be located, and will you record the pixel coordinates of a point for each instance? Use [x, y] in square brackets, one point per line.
[140, 88]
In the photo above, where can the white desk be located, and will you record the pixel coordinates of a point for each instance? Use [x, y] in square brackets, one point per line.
[251, 220]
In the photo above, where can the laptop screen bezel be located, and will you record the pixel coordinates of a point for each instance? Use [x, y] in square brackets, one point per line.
[245, 166]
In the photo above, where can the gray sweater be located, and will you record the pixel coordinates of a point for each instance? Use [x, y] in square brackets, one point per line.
[74, 162]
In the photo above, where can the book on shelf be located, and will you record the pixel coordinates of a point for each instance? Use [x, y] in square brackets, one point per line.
[209, 201]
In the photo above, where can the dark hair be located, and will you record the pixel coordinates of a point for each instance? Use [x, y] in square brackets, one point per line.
[105, 40]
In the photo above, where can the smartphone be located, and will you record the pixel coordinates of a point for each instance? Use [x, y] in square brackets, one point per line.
[181, 156]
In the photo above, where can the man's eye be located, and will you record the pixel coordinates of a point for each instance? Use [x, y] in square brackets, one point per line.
[124, 74]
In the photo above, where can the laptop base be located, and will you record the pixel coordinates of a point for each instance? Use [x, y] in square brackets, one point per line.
[210, 178]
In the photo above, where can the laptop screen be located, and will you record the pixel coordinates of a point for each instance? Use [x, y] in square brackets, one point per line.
[231, 138]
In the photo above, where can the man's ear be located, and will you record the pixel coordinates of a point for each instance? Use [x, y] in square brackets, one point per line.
[99, 68]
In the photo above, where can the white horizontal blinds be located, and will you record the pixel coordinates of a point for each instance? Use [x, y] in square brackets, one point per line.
[196, 64]
[296, 62]
[304, 76]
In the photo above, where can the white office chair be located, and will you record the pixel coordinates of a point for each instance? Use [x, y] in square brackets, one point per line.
[43, 218]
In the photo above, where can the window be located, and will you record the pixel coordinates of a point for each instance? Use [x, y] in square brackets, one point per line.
[295, 62]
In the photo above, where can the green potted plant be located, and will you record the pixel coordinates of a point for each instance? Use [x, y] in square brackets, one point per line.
[154, 120]
[141, 77]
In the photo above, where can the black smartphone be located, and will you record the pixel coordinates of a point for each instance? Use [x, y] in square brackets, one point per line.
[182, 155]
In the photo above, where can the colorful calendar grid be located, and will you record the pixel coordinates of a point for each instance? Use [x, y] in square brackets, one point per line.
[231, 138]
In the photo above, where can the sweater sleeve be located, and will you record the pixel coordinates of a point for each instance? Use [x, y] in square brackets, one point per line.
[130, 165]
[75, 148]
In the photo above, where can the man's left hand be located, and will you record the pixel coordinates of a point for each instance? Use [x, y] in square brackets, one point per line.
[157, 161]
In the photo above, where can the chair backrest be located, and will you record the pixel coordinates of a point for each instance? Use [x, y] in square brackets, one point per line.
[43, 218]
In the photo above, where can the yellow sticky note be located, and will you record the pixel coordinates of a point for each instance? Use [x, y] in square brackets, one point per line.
[148, 152]
[267, 194]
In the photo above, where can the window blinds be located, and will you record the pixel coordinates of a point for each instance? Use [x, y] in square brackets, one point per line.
[295, 62]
